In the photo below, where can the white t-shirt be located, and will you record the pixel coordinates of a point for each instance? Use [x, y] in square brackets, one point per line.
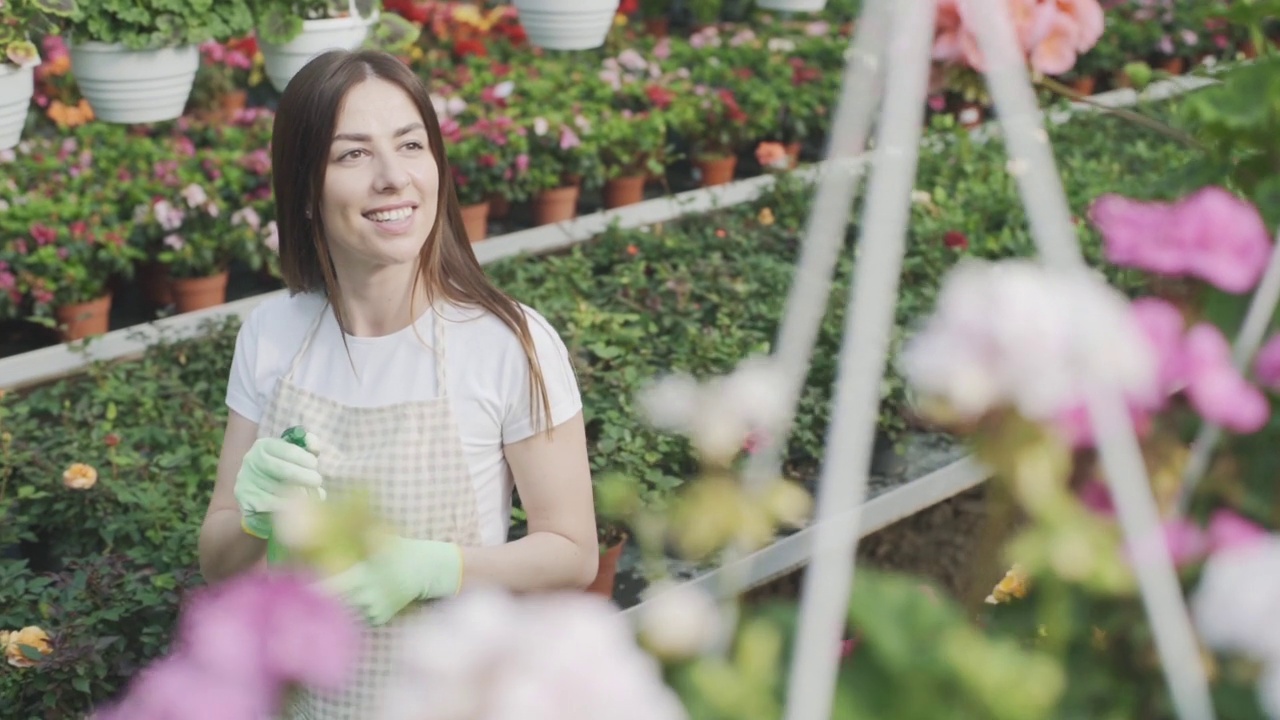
[487, 375]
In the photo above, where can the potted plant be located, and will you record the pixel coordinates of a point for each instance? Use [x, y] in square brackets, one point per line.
[487, 156]
[291, 32]
[618, 502]
[136, 60]
[562, 161]
[61, 256]
[18, 58]
[222, 82]
[716, 128]
[560, 25]
[633, 147]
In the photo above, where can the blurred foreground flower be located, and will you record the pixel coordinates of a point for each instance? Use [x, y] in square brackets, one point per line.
[21, 648]
[1015, 334]
[1210, 234]
[719, 414]
[1051, 34]
[1013, 586]
[487, 655]
[240, 646]
[1234, 608]
[679, 622]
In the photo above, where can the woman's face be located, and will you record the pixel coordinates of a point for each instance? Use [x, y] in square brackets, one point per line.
[381, 183]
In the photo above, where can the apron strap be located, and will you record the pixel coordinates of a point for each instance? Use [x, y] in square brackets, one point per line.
[437, 344]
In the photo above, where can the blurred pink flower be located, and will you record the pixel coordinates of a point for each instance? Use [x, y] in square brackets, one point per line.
[1052, 34]
[241, 644]
[1229, 531]
[1266, 366]
[1219, 393]
[1210, 234]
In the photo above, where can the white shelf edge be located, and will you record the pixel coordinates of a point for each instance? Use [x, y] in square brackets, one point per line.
[793, 552]
[51, 363]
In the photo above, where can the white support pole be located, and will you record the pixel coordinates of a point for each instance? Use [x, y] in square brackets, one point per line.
[1031, 161]
[869, 324]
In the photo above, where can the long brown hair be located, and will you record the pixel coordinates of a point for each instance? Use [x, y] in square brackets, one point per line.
[300, 140]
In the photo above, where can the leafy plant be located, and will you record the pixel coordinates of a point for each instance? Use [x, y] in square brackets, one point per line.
[280, 21]
[150, 24]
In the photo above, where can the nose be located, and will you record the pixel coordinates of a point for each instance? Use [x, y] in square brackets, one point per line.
[391, 175]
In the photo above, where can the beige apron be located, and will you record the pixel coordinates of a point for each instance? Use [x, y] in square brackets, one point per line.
[409, 458]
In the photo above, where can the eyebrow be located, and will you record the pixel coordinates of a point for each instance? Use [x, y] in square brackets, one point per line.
[358, 137]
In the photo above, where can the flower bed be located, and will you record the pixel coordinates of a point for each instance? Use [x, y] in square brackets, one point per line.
[105, 555]
[163, 205]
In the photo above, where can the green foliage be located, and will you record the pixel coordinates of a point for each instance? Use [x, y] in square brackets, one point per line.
[150, 24]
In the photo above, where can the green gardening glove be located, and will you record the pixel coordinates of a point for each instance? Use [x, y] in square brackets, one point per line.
[397, 574]
[271, 470]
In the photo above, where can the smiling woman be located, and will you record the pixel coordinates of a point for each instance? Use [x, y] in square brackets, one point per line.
[420, 385]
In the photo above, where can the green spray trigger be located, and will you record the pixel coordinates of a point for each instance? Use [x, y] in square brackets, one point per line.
[295, 435]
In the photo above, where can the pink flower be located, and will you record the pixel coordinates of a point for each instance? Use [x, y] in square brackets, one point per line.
[1051, 33]
[1229, 531]
[1210, 234]
[174, 241]
[1215, 389]
[1266, 366]
[568, 138]
[1163, 326]
[1095, 496]
[271, 237]
[240, 645]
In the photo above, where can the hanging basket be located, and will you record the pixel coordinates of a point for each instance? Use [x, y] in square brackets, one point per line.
[805, 6]
[282, 62]
[561, 25]
[17, 85]
[134, 86]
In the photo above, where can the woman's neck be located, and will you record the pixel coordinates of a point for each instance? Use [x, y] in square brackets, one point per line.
[383, 302]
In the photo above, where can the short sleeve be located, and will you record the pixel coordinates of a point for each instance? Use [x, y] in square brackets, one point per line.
[563, 395]
[243, 394]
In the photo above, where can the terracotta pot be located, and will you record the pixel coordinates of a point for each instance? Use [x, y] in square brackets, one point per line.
[608, 572]
[499, 207]
[153, 278]
[190, 294]
[657, 27]
[81, 320]
[624, 191]
[716, 170]
[1085, 85]
[475, 219]
[793, 152]
[555, 205]
[1173, 66]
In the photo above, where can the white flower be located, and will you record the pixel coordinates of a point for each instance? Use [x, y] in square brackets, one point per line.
[679, 622]
[1236, 601]
[247, 216]
[719, 414]
[632, 60]
[194, 195]
[781, 45]
[1016, 333]
[504, 89]
[540, 126]
[456, 105]
[487, 655]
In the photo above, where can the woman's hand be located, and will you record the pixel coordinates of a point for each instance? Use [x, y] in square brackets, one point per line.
[270, 468]
[397, 574]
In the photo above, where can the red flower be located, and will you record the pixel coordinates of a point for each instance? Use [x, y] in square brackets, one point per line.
[660, 96]
[627, 7]
[955, 240]
[111, 439]
[463, 48]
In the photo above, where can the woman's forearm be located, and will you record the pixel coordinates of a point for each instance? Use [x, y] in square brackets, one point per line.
[225, 549]
[537, 562]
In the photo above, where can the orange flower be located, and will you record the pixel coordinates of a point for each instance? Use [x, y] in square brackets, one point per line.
[67, 116]
[772, 155]
[80, 476]
[765, 217]
[31, 637]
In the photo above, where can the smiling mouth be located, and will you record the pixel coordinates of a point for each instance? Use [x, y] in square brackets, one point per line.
[390, 215]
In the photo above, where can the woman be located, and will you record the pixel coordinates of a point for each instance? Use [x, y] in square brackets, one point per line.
[421, 382]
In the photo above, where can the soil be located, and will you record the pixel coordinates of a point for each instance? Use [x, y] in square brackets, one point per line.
[949, 544]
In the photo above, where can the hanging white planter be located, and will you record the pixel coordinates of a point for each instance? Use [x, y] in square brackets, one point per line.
[17, 85]
[282, 62]
[805, 6]
[567, 24]
[134, 86]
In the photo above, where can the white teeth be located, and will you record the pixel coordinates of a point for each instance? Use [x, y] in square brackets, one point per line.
[391, 215]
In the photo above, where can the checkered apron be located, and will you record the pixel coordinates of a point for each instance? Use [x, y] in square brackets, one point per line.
[409, 459]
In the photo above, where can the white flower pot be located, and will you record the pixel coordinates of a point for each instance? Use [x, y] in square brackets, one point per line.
[134, 86]
[792, 5]
[284, 61]
[17, 85]
[567, 24]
